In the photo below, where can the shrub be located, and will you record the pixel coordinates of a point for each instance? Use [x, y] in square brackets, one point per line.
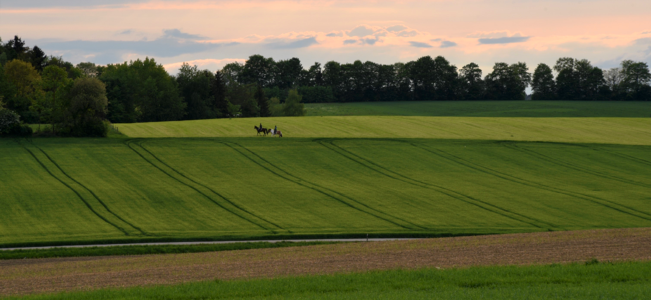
[9, 120]
[21, 131]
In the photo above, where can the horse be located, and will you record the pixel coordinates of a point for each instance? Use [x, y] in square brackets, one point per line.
[263, 130]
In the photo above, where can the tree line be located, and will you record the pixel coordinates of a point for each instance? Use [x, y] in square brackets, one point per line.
[77, 99]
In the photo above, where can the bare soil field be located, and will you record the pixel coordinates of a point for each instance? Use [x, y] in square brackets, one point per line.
[28, 276]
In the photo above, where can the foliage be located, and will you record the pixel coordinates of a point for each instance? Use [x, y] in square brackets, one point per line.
[142, 91]
[275, 107]
[8, 121]
[543, 85]
[195, 87]
[471, 83]
[263, 102]
[220, 103]
[51, 107]
[579, 80]
[507, 82]
[293, 105]
[242, 96]
[26, 81]
[87, 109]
[317, 94]
[73, 73]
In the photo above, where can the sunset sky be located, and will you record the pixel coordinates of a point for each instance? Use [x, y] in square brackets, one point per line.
[213, 33]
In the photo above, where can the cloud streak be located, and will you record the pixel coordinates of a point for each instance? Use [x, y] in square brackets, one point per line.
[504, 40]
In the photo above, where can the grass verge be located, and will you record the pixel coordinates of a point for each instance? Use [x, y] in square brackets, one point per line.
[144, 250]
[590, 280]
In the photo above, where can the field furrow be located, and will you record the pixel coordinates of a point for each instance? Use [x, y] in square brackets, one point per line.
[241, 188]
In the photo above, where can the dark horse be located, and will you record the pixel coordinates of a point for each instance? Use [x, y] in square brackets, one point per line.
[261, 129]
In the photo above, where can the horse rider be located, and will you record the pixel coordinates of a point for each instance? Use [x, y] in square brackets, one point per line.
[275, 129]
[260, 126]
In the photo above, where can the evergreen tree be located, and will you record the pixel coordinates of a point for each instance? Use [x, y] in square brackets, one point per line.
[38, 58]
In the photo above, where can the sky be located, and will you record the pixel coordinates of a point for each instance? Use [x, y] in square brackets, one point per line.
[210, 34]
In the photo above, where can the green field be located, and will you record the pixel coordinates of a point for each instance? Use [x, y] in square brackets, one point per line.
[631, 109]
[591, 280]
[400, 175]
[630, 131]
[101, 190]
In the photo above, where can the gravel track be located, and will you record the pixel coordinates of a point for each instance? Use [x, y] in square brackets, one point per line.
[28, 276]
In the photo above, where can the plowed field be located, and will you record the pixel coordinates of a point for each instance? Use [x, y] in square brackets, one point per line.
[50, 275]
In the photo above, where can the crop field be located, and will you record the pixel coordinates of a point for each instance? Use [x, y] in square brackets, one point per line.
[630, 131]
[604, 257]
[101, 190]
[631, 109]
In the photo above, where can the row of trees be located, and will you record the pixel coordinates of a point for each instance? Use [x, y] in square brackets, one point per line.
[38, 87]
[437, 79]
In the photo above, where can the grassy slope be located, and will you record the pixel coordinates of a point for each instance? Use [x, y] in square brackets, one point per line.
[633, 131]
[485, 109]
[574, 281]
[81, 190]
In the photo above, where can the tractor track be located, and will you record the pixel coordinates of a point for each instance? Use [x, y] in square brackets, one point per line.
[128, 144]
[577, 168]
[208, 188]
[90, 207]
[318, 188]
[448, 192]
[590, 198]
[525, 182]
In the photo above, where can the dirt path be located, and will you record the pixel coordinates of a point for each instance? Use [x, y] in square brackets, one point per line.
[62, 274]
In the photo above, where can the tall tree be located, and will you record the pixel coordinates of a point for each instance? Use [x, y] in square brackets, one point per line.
[232, 73]
[636, 79]
[55, 82]
[142, 91]
[220, 103]
[506, 82]
[38, 58]
[259, 70]
[195, 88]
[471, 83]
[242, 97]
[286, 73]
[263, 103]
[87, 109]
[334, 77]
[543, 85]
[567, 80]
[88, 69]
[423, 78]
[27, 83]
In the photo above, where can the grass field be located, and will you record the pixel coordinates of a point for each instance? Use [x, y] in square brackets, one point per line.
[100, 190]
[639, 109]
[590, 280]
[632, 131]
